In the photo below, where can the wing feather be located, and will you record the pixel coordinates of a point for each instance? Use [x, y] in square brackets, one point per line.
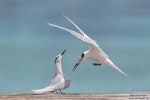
[89, 40]
[82, 36]
[76, 34]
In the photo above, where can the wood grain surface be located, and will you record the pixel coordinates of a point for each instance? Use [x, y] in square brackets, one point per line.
[82, 96]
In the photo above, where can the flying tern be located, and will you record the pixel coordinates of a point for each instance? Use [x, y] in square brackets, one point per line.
[59, 82]
[94, 53]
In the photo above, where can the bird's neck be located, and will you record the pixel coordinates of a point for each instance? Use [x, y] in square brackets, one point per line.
[58, 68]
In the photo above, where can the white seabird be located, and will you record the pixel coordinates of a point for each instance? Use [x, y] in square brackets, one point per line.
[94, 53]
[59, 82]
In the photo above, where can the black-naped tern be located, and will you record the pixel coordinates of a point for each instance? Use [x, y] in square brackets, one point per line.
[59, 81]
[94, 53]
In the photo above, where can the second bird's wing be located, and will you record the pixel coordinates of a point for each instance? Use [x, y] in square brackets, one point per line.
[67, 83]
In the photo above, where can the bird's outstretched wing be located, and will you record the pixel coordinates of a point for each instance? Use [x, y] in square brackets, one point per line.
[93, 43]
[89, 40]
[81, 35]
[85, 38]
[76, 34]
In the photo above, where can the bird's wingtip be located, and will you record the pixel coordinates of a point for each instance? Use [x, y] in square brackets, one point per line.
[49, 24]
[63, 14]
[126, 75]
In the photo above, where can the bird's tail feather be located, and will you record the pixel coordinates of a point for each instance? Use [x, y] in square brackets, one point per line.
[110, 63]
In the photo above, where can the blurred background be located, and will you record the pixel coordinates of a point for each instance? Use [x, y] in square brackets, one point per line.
[28, 46]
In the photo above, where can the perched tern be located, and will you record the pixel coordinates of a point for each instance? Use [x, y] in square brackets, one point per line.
[59, 82]
[94, 53]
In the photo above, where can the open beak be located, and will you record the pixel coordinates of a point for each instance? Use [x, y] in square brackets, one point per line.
[63, 51]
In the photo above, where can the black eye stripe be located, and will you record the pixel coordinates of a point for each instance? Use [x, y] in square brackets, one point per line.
[56, 58]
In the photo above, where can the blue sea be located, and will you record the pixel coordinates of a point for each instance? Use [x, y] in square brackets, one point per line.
[28, 46]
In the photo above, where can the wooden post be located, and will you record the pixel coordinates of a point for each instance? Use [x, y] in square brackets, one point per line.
[82, 96]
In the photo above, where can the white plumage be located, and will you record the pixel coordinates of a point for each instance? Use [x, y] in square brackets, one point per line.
[59, 82]
[94, 53]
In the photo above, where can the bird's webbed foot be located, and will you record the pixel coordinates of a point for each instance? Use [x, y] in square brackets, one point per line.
[97, 64]
[56, 92]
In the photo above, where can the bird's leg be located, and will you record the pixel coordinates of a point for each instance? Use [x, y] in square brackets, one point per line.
[56, 92]
[96, 64]
[51, 91]
[61, 92]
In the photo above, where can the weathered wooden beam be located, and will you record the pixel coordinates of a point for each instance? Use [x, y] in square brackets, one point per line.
[82, 96]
